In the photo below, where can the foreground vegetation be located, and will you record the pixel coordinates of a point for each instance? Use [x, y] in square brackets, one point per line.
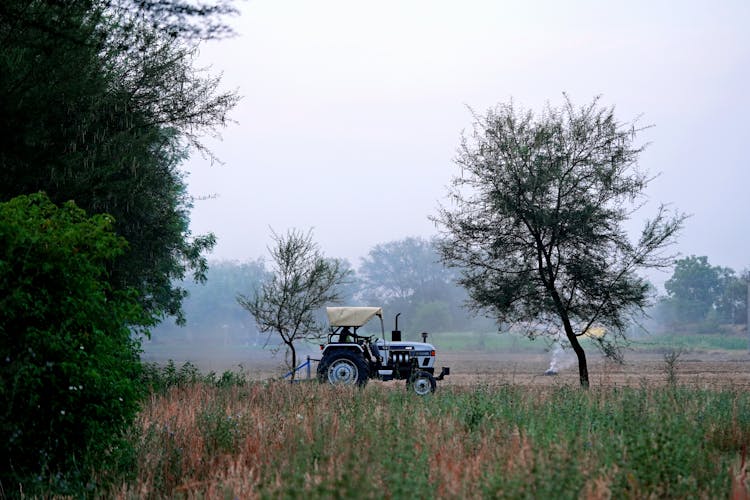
[225, 437]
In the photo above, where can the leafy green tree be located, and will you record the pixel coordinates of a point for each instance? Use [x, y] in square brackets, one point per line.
[698, 291]
[536, 222]
[302, 281]
[694, 288]
[402, 268]
[68, 361]
[100, 103]
[731, 305]
[432, 316]
[407, 275]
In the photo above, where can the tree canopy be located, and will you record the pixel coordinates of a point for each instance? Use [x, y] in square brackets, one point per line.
[100, 103]
[695, 286]
[536, 222]
[407, 276]
[698, 292]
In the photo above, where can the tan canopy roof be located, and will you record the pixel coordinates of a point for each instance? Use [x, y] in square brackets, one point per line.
[352, 316]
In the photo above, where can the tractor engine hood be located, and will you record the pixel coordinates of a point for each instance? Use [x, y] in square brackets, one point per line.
[405, 346]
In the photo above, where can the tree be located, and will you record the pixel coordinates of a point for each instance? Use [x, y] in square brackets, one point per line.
[697, 290]
[400, 269]
[731, 306]
[302, 281]
[694, 288]
[69, 369]
[100, 103]
[408, 276]
[536, 222]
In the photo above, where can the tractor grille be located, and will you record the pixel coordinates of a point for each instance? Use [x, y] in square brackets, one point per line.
[405, 356]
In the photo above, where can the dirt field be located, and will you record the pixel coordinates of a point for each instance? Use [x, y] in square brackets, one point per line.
[698, 369]
[707, 370]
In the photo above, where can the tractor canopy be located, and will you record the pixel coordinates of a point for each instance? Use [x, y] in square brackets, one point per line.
[352, 316]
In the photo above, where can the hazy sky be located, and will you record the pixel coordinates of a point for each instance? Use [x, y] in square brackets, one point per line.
[352, 111]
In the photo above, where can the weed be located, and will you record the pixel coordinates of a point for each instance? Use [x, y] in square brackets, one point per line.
[670, 366]
[259, 440]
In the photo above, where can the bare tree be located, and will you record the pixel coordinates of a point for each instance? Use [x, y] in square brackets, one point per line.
[301, 281]
[536, 223]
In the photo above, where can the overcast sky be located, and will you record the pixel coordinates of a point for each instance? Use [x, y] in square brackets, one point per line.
[352, 111]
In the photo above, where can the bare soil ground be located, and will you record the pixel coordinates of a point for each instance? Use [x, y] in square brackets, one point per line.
[698, 369]
[706, 369]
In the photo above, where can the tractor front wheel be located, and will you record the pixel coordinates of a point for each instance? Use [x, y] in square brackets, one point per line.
[422, 383]
[343, 368]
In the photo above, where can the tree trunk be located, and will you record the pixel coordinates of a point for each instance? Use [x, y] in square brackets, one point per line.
[583, 370]
[294, 359]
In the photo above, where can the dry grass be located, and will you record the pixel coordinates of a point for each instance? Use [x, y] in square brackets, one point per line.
[274, 439]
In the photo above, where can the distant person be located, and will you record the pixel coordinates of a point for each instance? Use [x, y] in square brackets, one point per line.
[344, 334]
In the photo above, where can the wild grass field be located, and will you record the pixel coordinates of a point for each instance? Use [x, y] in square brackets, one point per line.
[665, 435]
[281, 440]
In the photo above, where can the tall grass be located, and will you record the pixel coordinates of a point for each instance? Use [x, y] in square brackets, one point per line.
[281, 440]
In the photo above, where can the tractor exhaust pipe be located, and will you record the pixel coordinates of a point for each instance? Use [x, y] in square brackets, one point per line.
[396, 334]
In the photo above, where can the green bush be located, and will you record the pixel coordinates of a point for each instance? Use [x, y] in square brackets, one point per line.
[69, 363]
[159, 379]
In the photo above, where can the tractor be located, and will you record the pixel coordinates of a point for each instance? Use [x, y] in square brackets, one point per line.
[349, 358]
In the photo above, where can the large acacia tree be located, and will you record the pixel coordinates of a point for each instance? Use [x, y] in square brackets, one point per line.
[536, 222]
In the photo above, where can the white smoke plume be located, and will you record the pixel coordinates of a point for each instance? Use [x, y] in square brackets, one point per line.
[561, 358]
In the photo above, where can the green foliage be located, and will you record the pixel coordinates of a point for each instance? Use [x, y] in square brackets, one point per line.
[694, 286]
[68, 362]
[288, 440]
[99, 104]
[220, 431]
[404, 269]
[484, 341]
[536, 223]
[692, 342]
[434, 316]
[704, 295]
[731, 306]
[407, 276]
[159, 379]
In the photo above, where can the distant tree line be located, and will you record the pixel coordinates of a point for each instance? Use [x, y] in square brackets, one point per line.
[403, 276]
[407, 276]
[703, 296]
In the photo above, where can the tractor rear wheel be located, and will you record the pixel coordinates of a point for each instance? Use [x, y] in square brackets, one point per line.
[343, 368]
[422, 383]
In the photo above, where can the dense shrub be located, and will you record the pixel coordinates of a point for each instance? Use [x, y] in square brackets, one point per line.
[68, 361]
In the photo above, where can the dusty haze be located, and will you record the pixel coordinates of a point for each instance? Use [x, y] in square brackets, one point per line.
[352, 111]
